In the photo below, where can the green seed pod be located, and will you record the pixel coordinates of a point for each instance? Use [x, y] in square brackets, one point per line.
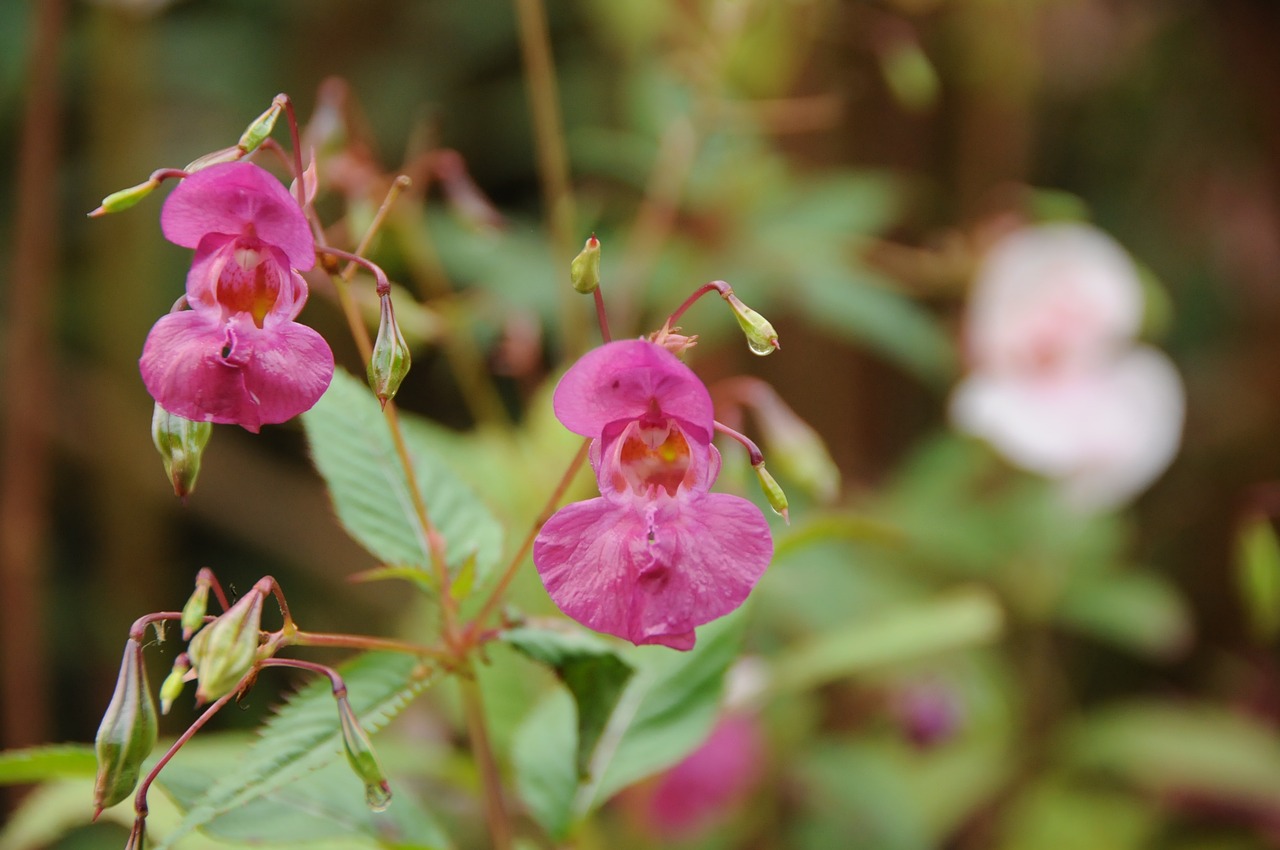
[125, 198]
[390, 361]
[584, 271]
[777, 498]
[762, 339]
[181, 444]
[224, 651]
[127, 733]
[193, 612]
[258, 131]
[363, 759]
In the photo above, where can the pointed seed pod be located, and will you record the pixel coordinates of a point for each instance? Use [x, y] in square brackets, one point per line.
[125, 198]
[777, 498]
[194, 610]
[224, 651]
[363, 759]
[171, 687]
[127, 733]
[258, 131]
[390, 361]
[181, 444]
[762, 339]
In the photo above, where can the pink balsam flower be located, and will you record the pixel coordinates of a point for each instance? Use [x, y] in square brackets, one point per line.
[657, 554]
[237, 356]
[1057, 383]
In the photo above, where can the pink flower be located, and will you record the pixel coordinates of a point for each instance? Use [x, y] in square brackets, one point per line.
[1058, 384]
[237, 356]
[657, 554]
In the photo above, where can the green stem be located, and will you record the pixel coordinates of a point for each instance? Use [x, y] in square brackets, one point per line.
[477, 731]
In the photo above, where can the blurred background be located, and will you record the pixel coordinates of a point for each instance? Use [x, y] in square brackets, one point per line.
[843, 164]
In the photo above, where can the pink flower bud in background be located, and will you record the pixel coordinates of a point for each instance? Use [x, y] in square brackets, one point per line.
[1058, 385]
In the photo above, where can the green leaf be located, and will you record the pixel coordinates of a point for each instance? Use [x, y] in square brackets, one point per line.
[305, 735]
[1135, 610]
[353, 450]
[544, 777]
[326, 804]
[666, 711]
[1258, 571]
[591, 670]
[1203, 750]
[959, 620]
[39, 764]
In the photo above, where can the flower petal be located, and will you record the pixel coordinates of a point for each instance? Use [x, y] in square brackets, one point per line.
[652, 571]
[225, 198]
[198, 367]
[1106, 433]
[623, 380]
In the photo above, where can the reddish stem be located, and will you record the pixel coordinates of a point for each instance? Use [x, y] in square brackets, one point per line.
[601, 316]
[384, 285]
[719, 286]
[757, 456]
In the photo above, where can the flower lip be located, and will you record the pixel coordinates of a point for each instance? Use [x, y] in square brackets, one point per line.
[238, 199]
[633, 380]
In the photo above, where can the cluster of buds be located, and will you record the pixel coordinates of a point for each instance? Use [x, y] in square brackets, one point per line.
[223, 656]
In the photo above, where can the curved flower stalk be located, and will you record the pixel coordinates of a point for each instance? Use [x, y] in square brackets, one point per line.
[1057, 383]
[237, 356]
[656, 554]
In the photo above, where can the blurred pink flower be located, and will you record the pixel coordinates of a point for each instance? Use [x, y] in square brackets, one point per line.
[1057, 383]
[237, 356]
[657, 554]
[704, 787]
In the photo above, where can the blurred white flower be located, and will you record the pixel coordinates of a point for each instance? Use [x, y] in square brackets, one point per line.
[1057, 383]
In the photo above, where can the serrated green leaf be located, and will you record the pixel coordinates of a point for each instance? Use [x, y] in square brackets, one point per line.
[352, 448]
[39, 764]
[592, 671]
[1258, 571]
[305, 735]
[325, 805]
[666, 711]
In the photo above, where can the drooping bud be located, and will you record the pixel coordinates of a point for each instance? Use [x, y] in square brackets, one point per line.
[584, 271]
[224, 651]
[363, 759]
[125, 198]
[258, 131]
[772, 492]
[390, 361]
[193, 612]
[796, 450]
[762, 339]
[181, 443]
[171, 687]
[127, 733]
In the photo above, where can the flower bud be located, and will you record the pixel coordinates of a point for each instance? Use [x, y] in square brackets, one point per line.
[762, 339]
[180, 442]
[224, 651]
[390, 361]
[171, 687]
[124, 199]
[193, 612]
[772, 492]
[258, 131]
[127, 733]
[363, 760]
[584, 271]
